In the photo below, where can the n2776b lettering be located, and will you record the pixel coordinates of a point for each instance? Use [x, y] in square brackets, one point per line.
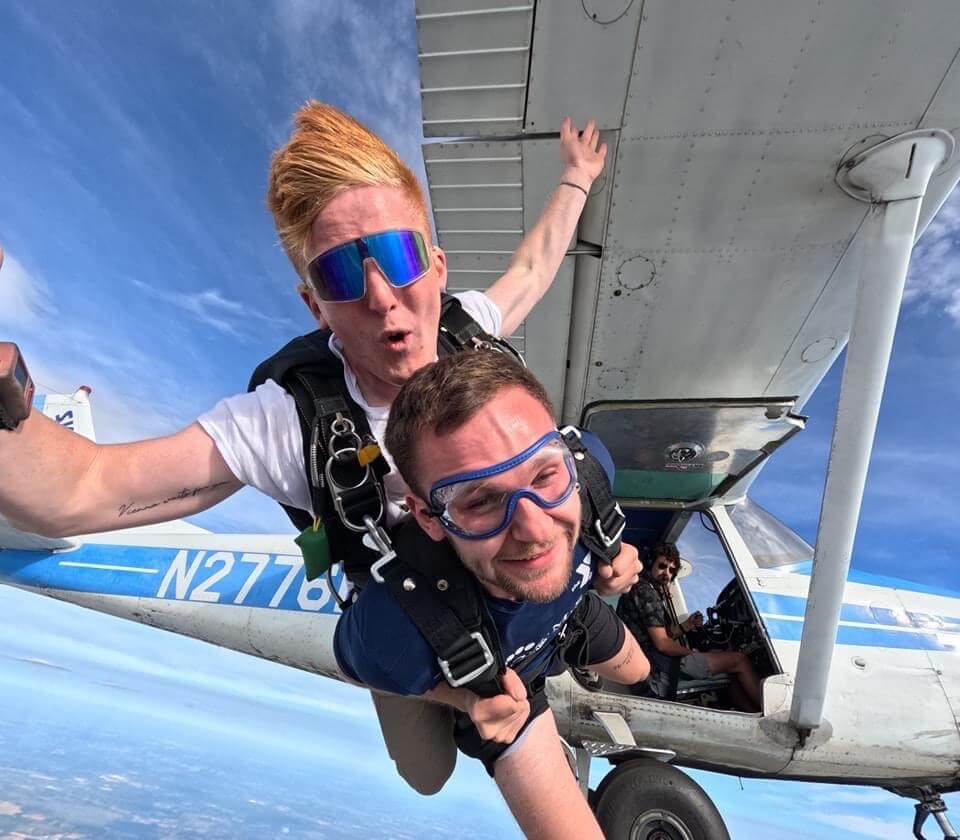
[247, 579]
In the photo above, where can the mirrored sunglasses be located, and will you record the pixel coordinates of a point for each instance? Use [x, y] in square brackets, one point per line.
[337, 275]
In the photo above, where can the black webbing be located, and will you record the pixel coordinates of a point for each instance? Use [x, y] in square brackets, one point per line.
[599, 504]
[443, 600]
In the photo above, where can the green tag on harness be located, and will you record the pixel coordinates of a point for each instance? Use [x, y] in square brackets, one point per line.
[315, 549]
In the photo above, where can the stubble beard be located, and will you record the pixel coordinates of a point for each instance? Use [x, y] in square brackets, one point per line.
[522, 584]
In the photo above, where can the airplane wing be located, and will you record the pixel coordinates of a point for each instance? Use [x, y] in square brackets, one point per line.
[713, 256]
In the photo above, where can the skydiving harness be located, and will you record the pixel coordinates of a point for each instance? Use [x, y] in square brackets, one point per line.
[345, 470]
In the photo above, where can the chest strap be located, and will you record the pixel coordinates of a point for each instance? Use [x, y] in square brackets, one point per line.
[444, 601]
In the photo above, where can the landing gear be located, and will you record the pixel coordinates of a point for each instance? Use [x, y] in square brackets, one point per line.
[648, 800]
[930, 803]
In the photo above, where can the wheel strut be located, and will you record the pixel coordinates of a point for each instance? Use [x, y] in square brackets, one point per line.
[930, 803]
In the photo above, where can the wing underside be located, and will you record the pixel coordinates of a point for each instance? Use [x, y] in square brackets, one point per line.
[713, 255]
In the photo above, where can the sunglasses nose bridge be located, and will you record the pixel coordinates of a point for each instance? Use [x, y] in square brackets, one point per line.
[380, 292]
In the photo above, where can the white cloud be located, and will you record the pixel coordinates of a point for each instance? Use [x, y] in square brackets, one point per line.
[861, 796]
[865, 826]
[24, 297]
[210, 307]
[934, 279]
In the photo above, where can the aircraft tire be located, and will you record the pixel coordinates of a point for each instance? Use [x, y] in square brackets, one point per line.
[643, 800]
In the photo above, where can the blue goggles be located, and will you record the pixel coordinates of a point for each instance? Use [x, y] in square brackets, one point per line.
[337, 275]
[480, 504]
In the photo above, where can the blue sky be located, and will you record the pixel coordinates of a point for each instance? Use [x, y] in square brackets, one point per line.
[141, 260]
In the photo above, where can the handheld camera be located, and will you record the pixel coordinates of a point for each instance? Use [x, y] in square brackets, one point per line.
[16, 387]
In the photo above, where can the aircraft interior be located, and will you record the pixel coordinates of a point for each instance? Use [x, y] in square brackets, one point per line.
[708, 583]
[676, 460]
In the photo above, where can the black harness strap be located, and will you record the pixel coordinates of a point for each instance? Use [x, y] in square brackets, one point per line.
[313, 375]
[458, 331]
[309, 371]
[444, 601]
[602, 521]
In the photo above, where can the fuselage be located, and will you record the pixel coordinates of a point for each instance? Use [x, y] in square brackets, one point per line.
[891, 715]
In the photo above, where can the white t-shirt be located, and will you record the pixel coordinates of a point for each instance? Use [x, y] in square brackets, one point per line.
[258, 433]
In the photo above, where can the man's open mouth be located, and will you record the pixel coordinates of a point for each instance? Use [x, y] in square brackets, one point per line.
[396, 339]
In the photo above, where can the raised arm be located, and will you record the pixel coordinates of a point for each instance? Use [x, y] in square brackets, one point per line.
[55, 482]
[538, 258]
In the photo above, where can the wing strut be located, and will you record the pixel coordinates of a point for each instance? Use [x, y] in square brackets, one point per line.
[892, 177]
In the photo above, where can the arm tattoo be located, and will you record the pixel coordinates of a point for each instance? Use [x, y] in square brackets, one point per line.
[129, 509]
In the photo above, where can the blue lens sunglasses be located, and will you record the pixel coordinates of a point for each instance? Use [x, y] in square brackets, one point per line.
[337, 275]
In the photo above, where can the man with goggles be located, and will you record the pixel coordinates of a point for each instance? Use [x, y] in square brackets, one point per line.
[493, 480]
[480, 504]
[353, 221]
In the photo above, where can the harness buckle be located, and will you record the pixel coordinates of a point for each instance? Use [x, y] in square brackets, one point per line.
[618, 525]
[363, 491]
[465, 658]
[381, 540]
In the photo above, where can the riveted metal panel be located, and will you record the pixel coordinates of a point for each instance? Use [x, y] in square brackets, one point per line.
[719, 180]
[698, 323]
[735, 192]
[580, 66]
[752, 64]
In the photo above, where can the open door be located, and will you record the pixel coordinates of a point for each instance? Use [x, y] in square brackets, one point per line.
[675, 461]
[687, 453]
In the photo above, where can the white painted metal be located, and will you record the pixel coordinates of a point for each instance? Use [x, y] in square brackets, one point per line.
[893, 177]
[474, 56]
[617, 730]
[580, 65]
[724, 237]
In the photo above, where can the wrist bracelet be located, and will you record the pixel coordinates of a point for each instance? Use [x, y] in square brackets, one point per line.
[575, 186]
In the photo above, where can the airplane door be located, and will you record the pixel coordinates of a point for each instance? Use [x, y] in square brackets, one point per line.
[685, 453]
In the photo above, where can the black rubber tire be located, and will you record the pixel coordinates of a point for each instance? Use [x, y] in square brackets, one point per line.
[631, 795]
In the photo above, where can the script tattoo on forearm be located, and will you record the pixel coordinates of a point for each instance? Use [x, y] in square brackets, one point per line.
[626, 660]
[130, 508]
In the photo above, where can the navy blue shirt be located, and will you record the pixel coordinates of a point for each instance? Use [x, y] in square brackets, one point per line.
[376, 643]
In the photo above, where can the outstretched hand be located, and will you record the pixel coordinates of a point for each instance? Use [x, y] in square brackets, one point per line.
[582, 158]
[621, 574]
[502, 717]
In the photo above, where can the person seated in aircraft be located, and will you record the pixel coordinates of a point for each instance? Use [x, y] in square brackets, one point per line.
[492, 480]
[647, 609]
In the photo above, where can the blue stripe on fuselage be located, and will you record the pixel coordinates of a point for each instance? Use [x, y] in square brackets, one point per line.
[780, 628]
[248, 579]
[923, 631]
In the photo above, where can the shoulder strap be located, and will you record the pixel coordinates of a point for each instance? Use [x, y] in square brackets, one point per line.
[313, 375]
[444, 601]
[459, 331]
[602, 521]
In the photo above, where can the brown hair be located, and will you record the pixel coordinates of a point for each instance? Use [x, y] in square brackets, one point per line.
[327, 153]
[668, 550]
[444, 395]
